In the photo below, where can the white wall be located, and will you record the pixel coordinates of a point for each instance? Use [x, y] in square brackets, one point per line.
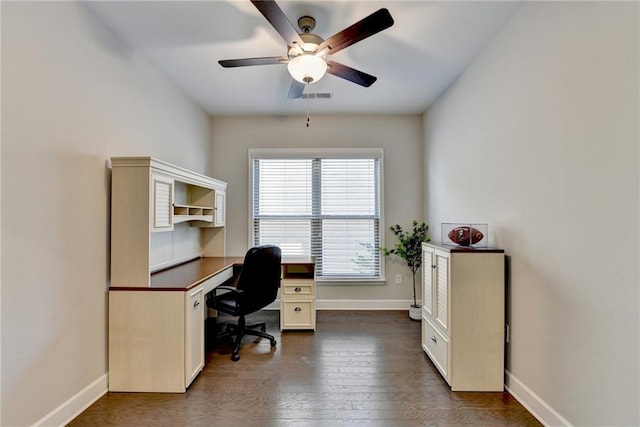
[539, 138]
[73, 95]
[399, 136]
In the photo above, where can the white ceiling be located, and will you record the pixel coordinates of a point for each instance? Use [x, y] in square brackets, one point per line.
[415, 60]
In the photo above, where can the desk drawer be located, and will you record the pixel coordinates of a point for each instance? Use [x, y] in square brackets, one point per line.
[436, 346]
[297, 288]
[298, 314]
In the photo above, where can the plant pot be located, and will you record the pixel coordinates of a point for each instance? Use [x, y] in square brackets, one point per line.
[415, 312]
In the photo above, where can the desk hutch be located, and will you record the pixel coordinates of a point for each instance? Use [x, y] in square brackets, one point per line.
[162, 215]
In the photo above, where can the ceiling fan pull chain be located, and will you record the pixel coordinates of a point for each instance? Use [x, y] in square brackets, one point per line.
[308, 118]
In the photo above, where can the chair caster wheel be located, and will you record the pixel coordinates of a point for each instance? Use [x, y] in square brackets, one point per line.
[273, 343]
[235, 357]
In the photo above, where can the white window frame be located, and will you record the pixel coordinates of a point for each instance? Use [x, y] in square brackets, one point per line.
[337, 153]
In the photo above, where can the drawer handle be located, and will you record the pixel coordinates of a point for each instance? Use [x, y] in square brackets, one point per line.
[197, 303]
[298, 289]
[433, 338]
[297, 309]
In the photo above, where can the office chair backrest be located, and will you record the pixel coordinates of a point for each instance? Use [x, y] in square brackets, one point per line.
[260, 277]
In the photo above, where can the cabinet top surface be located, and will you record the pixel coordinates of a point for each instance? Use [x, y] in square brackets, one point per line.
[461, 249]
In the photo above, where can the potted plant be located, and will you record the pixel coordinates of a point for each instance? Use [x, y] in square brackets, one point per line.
[409, 248]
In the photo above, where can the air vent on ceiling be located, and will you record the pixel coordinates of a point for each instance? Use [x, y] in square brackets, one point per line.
[317, 95]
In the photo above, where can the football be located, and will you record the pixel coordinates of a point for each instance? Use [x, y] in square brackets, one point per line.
[465, 235]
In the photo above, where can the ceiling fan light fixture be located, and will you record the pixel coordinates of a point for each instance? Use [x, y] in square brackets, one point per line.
[307, 68]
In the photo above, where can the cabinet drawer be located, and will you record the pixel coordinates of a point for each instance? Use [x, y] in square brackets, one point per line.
[301, 288]
[298, 315]
[436, 346]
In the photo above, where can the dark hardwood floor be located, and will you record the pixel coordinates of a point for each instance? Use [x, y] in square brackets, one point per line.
[360, 368]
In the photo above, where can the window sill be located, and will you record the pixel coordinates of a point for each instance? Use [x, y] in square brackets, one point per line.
[352, 282]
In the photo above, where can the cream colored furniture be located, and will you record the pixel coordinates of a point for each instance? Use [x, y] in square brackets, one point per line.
[463, 315]
[298, 294]
[156, 334]
[164, 219]
[149, 198]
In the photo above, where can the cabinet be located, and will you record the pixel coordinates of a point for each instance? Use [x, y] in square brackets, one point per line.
[156, 339]
[298, 294]
[463, 315]
[149, 199]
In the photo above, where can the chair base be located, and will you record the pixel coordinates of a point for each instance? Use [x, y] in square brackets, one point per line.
[236, 332]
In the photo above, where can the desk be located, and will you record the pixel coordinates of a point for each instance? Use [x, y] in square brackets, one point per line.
[156, 334]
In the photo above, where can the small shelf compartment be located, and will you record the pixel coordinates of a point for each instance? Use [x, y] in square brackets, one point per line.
[193, 204]
[297, 271]
[183, 213]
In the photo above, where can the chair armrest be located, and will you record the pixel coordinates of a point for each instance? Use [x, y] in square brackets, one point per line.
[236, 294]
[227, 288]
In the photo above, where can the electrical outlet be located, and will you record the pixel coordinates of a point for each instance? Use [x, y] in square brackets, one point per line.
[398, 279]
[507, 333]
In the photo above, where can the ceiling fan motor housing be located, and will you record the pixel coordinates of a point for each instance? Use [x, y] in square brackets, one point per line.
[306, 23]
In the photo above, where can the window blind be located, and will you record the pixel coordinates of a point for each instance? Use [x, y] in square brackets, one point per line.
[324, 207]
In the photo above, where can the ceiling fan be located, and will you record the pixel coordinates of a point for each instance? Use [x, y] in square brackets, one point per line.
[307, 53]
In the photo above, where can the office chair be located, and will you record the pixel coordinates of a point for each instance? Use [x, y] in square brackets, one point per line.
[256, 288]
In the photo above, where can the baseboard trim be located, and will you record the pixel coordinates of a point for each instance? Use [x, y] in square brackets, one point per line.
[367, 304]
[351, 304]
[533, 403]
[74, 406]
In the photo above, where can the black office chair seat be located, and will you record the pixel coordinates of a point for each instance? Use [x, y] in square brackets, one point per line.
[257, 287]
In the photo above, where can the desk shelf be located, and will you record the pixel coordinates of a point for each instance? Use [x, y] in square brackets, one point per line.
[184, 213]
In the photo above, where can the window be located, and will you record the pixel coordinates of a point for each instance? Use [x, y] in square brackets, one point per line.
[325, 205]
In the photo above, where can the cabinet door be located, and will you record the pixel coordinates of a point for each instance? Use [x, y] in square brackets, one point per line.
[428, 268]
[162, 203]
[219, 215]
[194, 334]
[442, 289]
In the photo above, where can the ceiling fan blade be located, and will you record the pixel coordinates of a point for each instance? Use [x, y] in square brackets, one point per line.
[279, 21]
[245, 62]
[296, 89]
[362, 29]
[351, 74]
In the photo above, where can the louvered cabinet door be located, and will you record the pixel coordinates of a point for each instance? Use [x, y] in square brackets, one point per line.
[442, 289]
[428, 268]
[162, 203]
